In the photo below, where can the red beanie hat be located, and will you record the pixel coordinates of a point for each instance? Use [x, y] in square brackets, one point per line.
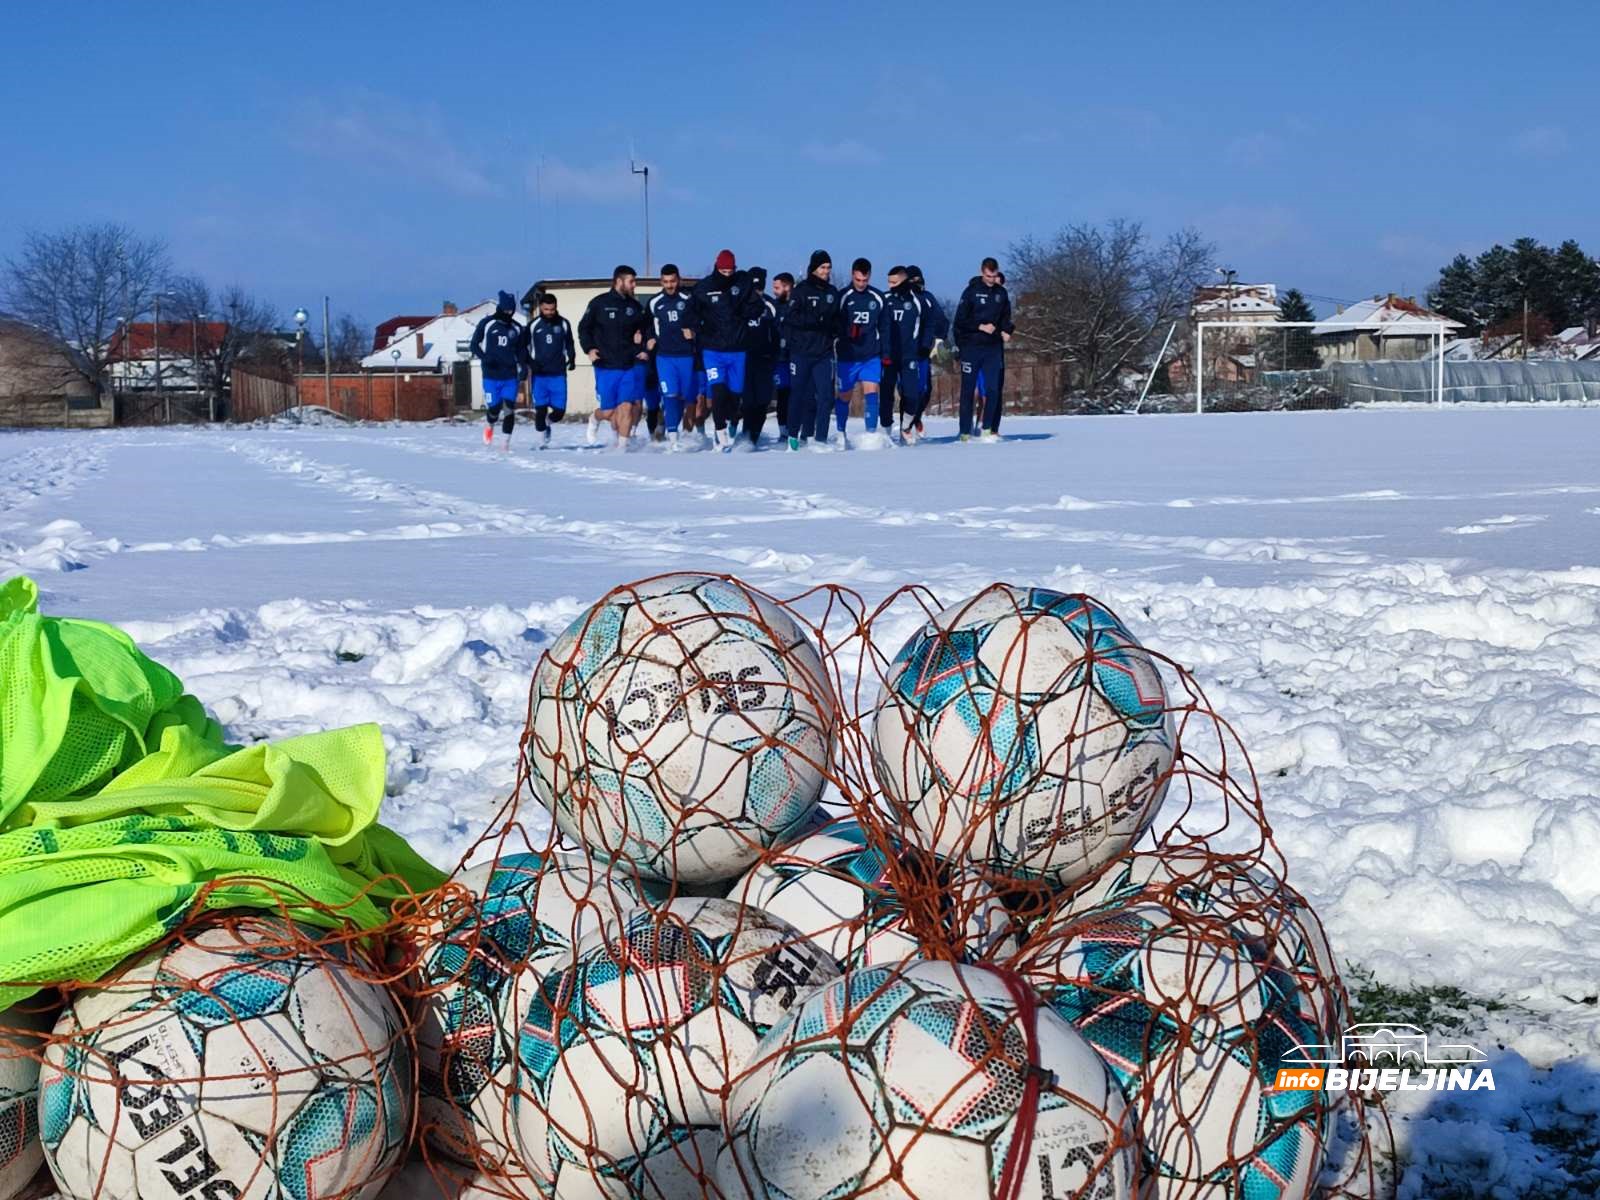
[725, 261]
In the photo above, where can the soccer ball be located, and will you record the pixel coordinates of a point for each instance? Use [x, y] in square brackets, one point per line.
[1195, 1027]
[909, 1083]
[627, 1054]
[1026, 729]
[235, 1064]
[681, 725]
[20, 1043]
[1276, 922]
[837, 888]
[527, 914]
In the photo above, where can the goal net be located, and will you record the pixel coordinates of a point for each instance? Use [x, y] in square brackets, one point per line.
[1241, 366]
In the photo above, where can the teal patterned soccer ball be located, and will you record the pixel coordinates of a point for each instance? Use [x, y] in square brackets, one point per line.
[681, 726]
[836, 886]
[909, 1082]
[1194, 1024]
[20, 1153]
[528, 913]
[627, 1053]
[1025, 729]
[229, 1065]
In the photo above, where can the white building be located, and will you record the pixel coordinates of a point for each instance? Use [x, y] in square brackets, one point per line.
[435, 346]
[1256, 302]
[1395, 328]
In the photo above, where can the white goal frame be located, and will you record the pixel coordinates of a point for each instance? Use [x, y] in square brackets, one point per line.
[1436, 330]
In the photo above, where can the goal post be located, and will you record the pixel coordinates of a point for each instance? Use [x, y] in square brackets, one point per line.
[1241, 365]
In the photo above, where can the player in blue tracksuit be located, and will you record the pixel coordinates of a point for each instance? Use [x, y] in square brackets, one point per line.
[672, 315]
[902, 357]
[863, 341]
[724, 302]
[615, 333]
[811, 325]
[761, 348]
[935, 329]
[500, 343]
[553, 354]
[782, 379]
[982, 327]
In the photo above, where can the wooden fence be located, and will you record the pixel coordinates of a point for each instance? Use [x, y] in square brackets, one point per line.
[360, 396]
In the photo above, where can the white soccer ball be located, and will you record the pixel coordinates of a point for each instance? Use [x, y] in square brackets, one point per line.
[20, 1044]
[1026, 729]
[527, 914]
[234, 1064]
[681, 725]
[909, 1082]
[836, 887]
[1194, 1026]
[627, 1054]
[1276, 922]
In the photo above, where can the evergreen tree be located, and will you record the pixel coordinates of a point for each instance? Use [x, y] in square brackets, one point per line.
[1293, 349]
[1456, 294]
[1295, 307]
[1499, 289]
[1577, 280]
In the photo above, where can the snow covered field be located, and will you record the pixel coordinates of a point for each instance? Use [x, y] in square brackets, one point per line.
[1400, 611]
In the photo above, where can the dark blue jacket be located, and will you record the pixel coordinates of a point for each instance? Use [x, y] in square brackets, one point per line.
[780, 309]
[863, 325]
[761, 331]
[723, 306]
[935, 325]
[551, 344]
[813, 319]
[502, 343]
[670, 316]
[982, 305]
[905, 324]
[608, 325]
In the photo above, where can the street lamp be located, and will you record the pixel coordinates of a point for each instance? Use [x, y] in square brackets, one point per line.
[160, 391]
[395, 354]
[301, 316]
[194, 357]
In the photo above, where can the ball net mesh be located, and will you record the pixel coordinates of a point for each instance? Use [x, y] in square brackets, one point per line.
[793, 898]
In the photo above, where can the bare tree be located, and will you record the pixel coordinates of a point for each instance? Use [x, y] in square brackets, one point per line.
[1097, 298]
[244, 322]
[349, 342]
[74, 285]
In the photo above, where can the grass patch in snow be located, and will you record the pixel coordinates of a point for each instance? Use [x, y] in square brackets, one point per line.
[1434, 1008]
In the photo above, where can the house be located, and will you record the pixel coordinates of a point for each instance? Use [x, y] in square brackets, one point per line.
[1236, 302]
[386, 331]
[43, 382]
[137, 348]
[439, 345]
[1385, 327]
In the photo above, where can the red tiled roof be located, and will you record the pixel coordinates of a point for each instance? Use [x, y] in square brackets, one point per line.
[384, 333]
[177, 338]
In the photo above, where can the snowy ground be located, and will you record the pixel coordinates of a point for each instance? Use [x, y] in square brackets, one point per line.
[1399, 610]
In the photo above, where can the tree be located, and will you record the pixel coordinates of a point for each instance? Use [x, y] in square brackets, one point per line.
[246, 322]
[74, 285]
[1577, 279]
[1097, 298]
[349, 343]
[1289, 349]
[1456, 294]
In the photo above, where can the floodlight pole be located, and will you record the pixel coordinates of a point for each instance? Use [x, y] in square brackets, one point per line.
[645, 171]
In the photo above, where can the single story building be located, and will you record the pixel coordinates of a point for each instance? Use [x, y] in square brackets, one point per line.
[42, 382]
[1385, 327]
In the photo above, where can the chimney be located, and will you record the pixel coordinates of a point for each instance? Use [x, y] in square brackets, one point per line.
[449, 308]
[419, 347]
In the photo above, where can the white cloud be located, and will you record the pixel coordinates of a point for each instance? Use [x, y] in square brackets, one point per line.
[1542, 141]
[846, 153]
[375, 132]
[597, 183]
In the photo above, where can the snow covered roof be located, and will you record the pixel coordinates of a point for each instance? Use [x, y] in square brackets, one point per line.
[1387, 310]
[1241, 301]
[430, 345]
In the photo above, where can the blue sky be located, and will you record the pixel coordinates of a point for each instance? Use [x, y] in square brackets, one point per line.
[399, 155]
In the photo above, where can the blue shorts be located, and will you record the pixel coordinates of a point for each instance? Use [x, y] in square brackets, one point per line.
[782, 376]
[868, 370]
[500, 391]
[613, 386]
[676, 373]
[725, 367]
[550, 391]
